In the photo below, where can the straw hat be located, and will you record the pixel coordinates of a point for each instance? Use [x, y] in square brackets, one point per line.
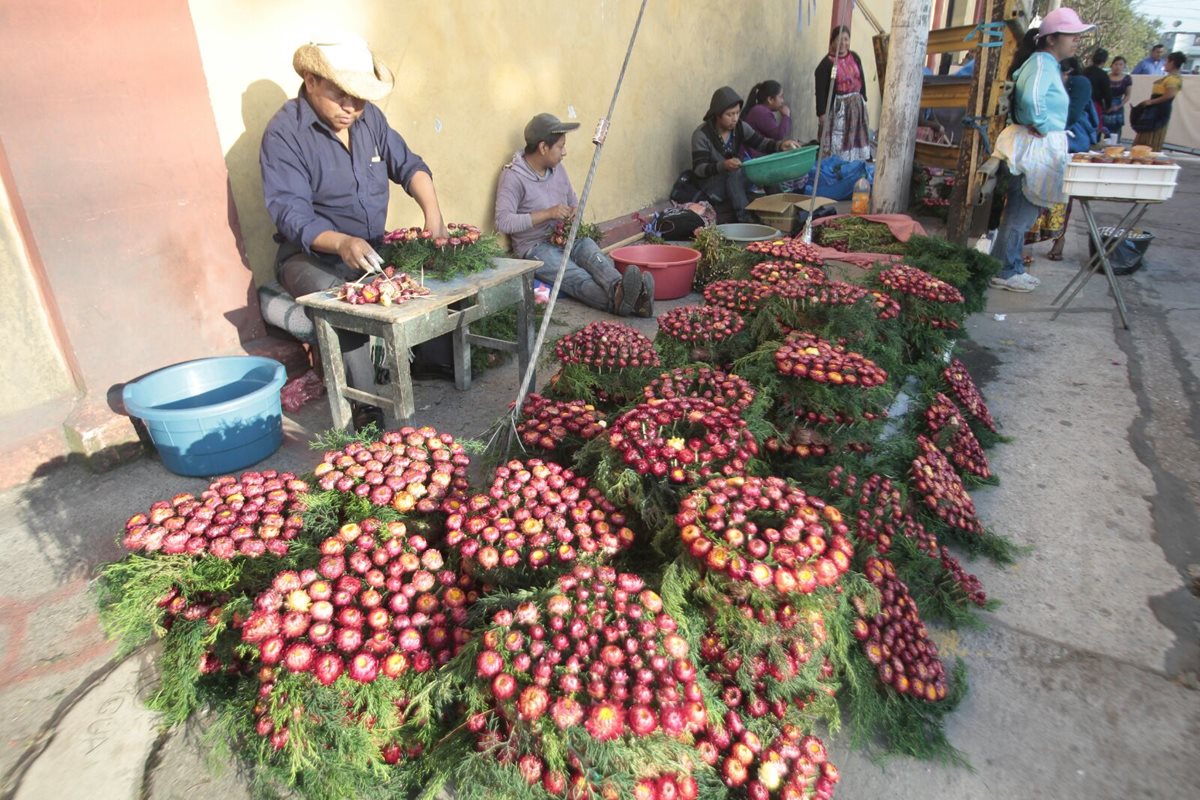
[346, 62]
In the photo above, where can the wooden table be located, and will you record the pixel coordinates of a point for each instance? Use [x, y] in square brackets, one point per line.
[451, 308]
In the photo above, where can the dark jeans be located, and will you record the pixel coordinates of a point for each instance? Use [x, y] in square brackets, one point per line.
[732, 189]
[302, 274]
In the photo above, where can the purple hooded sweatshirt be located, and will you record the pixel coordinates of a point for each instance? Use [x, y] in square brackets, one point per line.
[521, 192]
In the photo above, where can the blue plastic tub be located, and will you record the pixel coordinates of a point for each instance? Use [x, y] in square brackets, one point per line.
[212, 415]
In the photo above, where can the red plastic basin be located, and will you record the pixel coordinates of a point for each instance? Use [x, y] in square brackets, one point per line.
[672, 266]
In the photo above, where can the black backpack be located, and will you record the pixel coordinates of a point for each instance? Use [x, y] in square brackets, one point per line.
[676, 224]
[687, 188]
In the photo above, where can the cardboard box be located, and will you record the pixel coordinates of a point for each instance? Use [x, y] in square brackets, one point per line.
[779, 210]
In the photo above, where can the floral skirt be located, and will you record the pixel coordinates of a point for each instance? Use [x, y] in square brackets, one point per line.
[1050, 224]
[848, 136]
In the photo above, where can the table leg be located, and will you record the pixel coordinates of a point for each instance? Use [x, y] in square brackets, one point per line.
[462, 357]
[525, 332]
[335, 372]
[403, 406]
[1093, 263]
[1103, 248]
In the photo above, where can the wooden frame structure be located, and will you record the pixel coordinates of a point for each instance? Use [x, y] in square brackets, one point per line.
[981, 96]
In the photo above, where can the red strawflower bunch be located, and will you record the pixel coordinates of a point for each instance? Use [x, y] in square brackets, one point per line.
[700, 324]
[599, 653]
[787, 249]
[793, 766]
[254, 514]
[895, 640]
[913, 282]
[380, 603]
[753, 685]
[460, 235]
[779, 272]
[535, 515]
[739, 296]
[389, 288]
[547, 423]
[724, 389]
[767, 532]
[606, 345]
[886, 306]
[811, 417]
[941, 489]
[821, 292]
[406, 469]
[805, 355]
[960, 446]
[968, 394]
[685, 440]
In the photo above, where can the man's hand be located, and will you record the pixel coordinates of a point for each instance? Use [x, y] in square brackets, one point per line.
[558, 212]
[732, 163]
[358, 254]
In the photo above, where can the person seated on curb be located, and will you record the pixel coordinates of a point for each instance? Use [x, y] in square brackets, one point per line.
[327, 157]
[533, 196]
[716, 146]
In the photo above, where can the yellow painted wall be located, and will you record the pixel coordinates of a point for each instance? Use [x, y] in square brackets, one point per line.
[32, 366]
[472, 72]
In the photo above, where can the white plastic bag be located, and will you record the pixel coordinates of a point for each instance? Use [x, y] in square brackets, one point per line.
[1041, 159]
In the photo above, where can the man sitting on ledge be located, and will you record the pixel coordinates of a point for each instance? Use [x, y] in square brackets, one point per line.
[533, 196]
[327, 158]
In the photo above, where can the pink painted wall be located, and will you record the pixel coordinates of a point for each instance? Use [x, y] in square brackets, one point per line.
[115, 162]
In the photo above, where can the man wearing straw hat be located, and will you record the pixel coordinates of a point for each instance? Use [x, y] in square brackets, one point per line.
[327, 159]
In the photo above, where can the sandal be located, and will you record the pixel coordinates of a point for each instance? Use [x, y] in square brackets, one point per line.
[1027, 260]
[1055, 256]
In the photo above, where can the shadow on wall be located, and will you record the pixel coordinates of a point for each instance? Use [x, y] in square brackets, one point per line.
[260, 101]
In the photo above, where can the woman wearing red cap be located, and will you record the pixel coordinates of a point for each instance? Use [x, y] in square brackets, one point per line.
[1035, 144]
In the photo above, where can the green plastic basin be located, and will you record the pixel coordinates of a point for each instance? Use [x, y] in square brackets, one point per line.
[783, 166]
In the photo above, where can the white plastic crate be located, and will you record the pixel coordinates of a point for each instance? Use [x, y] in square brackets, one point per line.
[1120, 181]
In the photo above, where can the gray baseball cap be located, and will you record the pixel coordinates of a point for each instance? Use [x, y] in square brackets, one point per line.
[544, 126]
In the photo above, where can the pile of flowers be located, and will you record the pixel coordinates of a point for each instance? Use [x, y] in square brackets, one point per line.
[388, 288]
[685, 440]
[405, 469]
[700, 324]
[804, 355]
[547, 423]
[739, 296]
[941, 489]
[721, 388]
[606, 346]
[254, 514]
[777, 272]
[959, 379]
[942, 417]
[787, 249]
[767, 532]
[459, 234]
[536, 515]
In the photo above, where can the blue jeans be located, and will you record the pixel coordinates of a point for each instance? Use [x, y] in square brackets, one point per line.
[1018, 217]
[590, 276]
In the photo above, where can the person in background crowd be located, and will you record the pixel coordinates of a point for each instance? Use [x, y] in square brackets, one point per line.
[767, 113]
[1035, 146]
[327, 157]
[1153, 64]
[845, 133]
[1083, 131]
[716, 152]
[533, 196]
[1163, 93]
[1101, 92]
[1120, 86]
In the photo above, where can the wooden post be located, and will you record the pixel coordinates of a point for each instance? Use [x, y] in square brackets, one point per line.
[901, 107]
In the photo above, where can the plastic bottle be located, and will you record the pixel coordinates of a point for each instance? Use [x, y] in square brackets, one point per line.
[860, 201]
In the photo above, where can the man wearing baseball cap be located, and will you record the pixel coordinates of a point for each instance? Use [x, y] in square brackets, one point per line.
[327, 159]
[533, 196]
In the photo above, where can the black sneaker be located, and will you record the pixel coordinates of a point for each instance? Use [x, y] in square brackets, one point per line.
[645, 302]
[626, 292]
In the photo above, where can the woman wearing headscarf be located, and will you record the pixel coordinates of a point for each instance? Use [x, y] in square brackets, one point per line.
[843, 128]
[717, 146]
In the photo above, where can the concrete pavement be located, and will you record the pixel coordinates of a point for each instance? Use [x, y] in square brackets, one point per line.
[1084, 685]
